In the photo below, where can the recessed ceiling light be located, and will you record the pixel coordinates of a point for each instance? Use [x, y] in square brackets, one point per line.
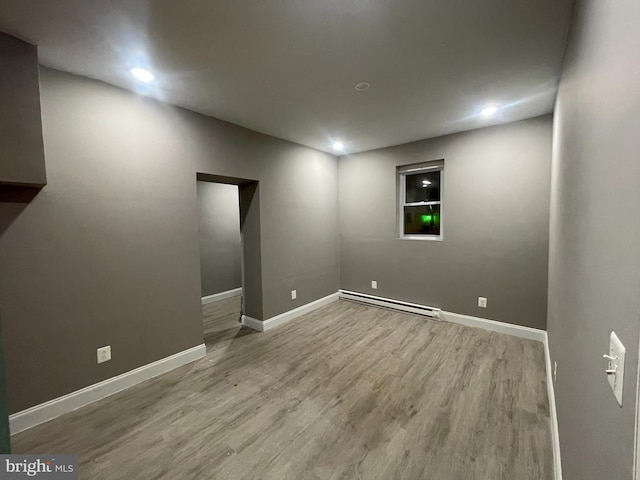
[338, 146]
[362, 86]
[426, 182]
[141, 74]
[488, 111]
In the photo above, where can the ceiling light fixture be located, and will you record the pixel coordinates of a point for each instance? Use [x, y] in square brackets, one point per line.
[425, 183]
[338, 146]
[141, 74]
[362, 86]
[488, 111]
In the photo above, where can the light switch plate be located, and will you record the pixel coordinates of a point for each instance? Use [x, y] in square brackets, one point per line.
[374, 284]
[617, 351]
[294, 294]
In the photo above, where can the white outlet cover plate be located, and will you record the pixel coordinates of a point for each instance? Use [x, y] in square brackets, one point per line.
[294, 294]
[616, 349]
[374, 284]
[482, 302]
[104, 354]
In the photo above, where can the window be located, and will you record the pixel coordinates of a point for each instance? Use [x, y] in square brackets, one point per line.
[420, 200]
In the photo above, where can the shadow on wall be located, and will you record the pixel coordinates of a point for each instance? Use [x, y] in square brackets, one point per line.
[13, 200]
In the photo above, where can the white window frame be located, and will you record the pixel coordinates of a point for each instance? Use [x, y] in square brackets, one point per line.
[403, 171]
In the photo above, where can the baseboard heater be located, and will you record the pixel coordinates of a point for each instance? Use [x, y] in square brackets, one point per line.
[430, 312]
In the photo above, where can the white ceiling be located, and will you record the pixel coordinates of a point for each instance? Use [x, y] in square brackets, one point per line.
[288, 67]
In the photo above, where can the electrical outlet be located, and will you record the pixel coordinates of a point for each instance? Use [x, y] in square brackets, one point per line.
[482, 302]
[374, 284]
[294, 294]
[104, 354]
[555, 371]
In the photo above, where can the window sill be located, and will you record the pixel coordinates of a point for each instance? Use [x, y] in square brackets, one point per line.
[421, 238]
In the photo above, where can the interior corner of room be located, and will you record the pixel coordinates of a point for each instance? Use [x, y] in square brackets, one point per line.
[171, 265]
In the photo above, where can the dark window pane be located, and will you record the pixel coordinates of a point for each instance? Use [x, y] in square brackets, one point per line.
[423, 187]
[422, 220]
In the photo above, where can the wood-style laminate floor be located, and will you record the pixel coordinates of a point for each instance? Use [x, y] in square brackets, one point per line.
[346, 392]
[221, 322]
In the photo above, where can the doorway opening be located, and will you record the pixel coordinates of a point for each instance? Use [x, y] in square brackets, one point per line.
[226, 241]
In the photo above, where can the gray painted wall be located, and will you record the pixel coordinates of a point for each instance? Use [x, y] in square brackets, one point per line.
[594, 274]
[107, 252]
[251, 232]
[219, 236]
[496, 204]
[21, 151]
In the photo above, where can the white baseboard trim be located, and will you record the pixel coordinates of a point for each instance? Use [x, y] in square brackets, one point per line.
[44, 412]
[493, 326]
[553, 413]
[221, 296]
[273, 322]
[252, 323]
